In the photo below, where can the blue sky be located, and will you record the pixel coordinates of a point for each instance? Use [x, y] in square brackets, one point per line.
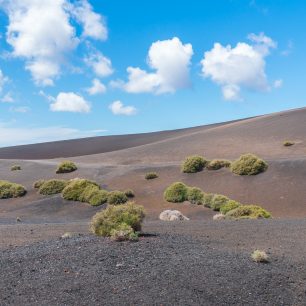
[191, 63]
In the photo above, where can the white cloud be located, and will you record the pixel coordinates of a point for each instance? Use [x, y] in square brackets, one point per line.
[20, 109]
[70, 102]
[7, 98]
[101, 65]
[16, 136]
[96, 88]
[240, 66]
[278, 83]
[3, 80]
[93, 23]
[171, 61]
[118, 108]
[41, 32]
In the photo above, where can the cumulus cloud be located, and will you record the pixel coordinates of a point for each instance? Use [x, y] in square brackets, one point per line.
[96, 88]
[101, 65]
[41, 32]
[118, 108]
[171, 61]
[69, 102]
[242, 66]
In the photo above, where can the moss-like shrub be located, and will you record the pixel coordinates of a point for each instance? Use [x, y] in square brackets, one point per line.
[15, 168]
[38, 183]
[195, 195]
[218, 201]
[151, 175]
[207, 199]
[52, 187]
[260, 256]
[176, 193]
[105, 221]
[193, 164]
[230, 205]
[249, 164]
[98, 198]
[66, 167]
[11, 190]
[117, 198]
[122, 232]
[129, 193]
[217, 164]
[248, 212]
[75, 189]
[288, 143]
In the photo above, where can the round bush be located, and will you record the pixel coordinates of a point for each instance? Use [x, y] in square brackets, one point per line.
[217, 164]
[15, 168]
[38, 183]
[113, 217]
[230, 205]
[288, 143]
[52, 187]
[117, 198]
[176, 193]
[74, 190]
[218, 201]
[195, 195]
[248, 212]
[98, 198]
[249, 164]
[11, 190]
[89, 191]
[66, 167]
[129, 193]
[151, 175]
[207, 199]
[122, 232]
[193, 164]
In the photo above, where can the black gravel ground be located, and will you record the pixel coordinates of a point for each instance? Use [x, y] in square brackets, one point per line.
[189, 263]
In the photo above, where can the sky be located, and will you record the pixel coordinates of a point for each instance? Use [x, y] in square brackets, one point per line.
[72, 69]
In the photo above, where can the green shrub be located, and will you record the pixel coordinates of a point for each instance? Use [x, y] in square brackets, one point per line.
[75, 189]
[260, 256]
[248, 212]
[176, 193]
[52, 187]
[38, 183]
[15, 168]
[218, 201]
[217, 164]
[122, 232]
[88, 192]
[105, 221]
[117, 198]
[151, 175]
[193, 164]
[66, 167]
[98, 198]
[207, 199]
[195, 195]
[129, 193]
[230, 205]
[11, 190]
[249, 164]
[288, 143]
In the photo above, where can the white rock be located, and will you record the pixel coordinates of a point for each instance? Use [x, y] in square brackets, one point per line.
[219, 217]
[172, 215]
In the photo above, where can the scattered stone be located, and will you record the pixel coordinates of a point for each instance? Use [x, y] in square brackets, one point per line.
[172, 215]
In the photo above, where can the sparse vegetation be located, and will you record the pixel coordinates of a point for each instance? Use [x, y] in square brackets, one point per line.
[11, 190]
[113, 217]
[123, 232]
[193, 164]
[52, 187]
[99, 197]
[176, 193]
[76, 187]
[67, 235]
[249, 164]
[288, 143]
[207, 199]
[248, 212]
[129, 193]
[217, 164]
[66, 167]
[230, 205]
[38, 183]
[218, 201]
[151, 175]
[15, 168]
[195, 195]
[117, 198]
[260, 256]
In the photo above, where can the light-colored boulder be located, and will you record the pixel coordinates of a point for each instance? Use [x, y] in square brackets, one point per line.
[172, 215]
[218, 217]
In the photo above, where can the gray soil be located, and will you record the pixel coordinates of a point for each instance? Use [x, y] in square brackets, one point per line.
[182, 263]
